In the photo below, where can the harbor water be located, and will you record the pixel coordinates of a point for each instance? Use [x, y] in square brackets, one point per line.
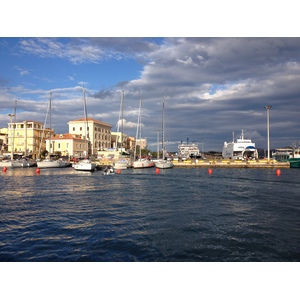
[177, 215]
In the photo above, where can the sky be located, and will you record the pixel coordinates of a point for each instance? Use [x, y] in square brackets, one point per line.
[213, 87]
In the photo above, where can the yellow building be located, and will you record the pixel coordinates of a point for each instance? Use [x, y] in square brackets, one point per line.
[71, 145]
[142, 143]
[3, 141]
[99, 133]
[27, 138]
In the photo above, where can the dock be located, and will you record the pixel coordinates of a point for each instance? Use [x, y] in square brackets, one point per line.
[230, 164]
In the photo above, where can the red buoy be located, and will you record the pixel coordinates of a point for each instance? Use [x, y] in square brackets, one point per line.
[278, 172]
[38, 170]
[118, 171]
[209, 171]
[4, 169]
[157, 171]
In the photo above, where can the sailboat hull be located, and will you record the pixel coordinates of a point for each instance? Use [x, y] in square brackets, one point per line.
[85, 166]
[164, 164]
[46, 164]
[141, 164]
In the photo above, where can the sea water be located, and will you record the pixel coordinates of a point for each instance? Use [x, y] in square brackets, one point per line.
[177, 215]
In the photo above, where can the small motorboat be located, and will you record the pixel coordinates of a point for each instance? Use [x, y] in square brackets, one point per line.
[108, 170]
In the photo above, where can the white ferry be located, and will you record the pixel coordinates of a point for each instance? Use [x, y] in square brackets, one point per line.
[241, 149]
[187, 150]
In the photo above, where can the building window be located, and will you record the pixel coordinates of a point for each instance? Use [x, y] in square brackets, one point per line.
[73, 128]
[80, 128]
[67, 146]
[58, 145]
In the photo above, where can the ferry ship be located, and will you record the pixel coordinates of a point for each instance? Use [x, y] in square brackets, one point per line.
[241, 149]
[187, 150]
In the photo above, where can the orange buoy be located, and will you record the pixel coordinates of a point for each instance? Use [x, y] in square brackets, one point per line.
[4, 169]
[209, 171]
[118, 171]
[278, 172]
[37, 171]
[157, 171]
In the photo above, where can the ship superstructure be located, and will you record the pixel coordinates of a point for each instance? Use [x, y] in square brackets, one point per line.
[241, 149]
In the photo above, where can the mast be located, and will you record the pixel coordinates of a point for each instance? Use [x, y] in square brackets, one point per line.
[50, 108]
[86, 125]
[138, 128]
[141, 127]
[122, 103]
[162, 131]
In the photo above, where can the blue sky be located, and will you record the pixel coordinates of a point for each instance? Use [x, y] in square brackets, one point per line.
[211, 86]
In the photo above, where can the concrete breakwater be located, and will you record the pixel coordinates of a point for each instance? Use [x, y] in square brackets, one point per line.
[231, 164]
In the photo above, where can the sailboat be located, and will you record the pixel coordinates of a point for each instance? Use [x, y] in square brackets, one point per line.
[140, 163]
[163, 163]
[85, 164]
[121, 163]
[21, 162]
[49, 162]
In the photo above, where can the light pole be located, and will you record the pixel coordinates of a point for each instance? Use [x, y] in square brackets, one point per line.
[268, 107]
[12, 137]
[157, 131]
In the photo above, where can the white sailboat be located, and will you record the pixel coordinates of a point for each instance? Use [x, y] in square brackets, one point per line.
[121, 163]
[140, 163]
[49, 162]
[163, 163]
[85, 164]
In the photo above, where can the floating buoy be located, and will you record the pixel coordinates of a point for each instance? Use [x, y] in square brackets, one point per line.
[278, 172]
[37, 171]
[4, 169]
[209, 171]
[157, 171]
[118, 171]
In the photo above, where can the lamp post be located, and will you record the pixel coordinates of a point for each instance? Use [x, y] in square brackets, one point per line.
[12, 137]
[268, 107]
[157, 131]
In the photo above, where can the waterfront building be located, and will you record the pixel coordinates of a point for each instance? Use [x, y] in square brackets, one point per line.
[142, 143]
[71, 145]
[96, 132]
[27, 138]
[3, 141]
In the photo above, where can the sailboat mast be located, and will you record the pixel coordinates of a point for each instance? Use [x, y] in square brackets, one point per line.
[50, 109]
[141, 128]
[122, 124]
[86, 128]
[138, 128]
[162, 131]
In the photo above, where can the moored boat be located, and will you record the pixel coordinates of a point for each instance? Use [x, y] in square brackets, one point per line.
[241, 149]
[51, 163]
[85, 164]
[140, 163]
[163, 163]
[23, 163]
[294, 159]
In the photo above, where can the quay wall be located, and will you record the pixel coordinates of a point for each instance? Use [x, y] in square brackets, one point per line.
[231, 164]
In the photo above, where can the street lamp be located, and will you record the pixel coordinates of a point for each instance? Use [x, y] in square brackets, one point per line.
[268, 107]
[12, 137]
